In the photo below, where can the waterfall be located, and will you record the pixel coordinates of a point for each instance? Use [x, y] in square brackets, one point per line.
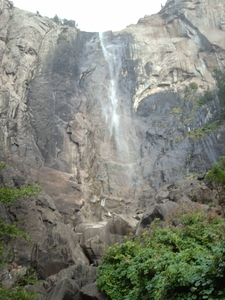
[111, 108]
[121, 153]
[114, 63]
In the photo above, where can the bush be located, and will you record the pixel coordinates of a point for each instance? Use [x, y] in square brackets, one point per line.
[217, 175]
[9, 232]
[182, 262]
[206, 98]
[190, 91]
[206, 129]
[16, 294]
[70, 23]
[193, 86]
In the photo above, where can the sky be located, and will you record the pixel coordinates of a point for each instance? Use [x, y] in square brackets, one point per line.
[94, 15]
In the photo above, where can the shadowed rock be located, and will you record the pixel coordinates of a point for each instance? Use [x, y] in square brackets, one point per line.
[57, 249]
[66, 289]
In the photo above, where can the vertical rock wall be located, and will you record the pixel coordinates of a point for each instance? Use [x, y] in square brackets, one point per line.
[55, 85]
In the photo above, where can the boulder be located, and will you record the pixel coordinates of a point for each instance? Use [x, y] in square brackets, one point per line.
[160, 211]
[97, 237]
[57, 249]
[66, 289]
[3, 214]
[91, 292]
[25, 213]
[82, 274]
[33, 215]
[193, 189]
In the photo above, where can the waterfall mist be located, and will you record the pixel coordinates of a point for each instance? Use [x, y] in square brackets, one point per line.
[118, 120]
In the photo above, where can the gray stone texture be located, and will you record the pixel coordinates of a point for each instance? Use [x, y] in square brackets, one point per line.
[56, 119]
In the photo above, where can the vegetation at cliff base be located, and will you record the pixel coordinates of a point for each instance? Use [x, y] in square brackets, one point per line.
[217, 176]
[182, 258]
[9, 232]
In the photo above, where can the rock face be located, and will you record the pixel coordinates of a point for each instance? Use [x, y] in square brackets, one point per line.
[67, 283]
[171, 198]
[57, 249]
[107, 117]
[96, 237]
[103, 120]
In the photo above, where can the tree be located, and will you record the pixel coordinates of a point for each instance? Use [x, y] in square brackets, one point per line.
[57, 20]
[9, 232]
[70, 23]
[193, 86]
[217, 175]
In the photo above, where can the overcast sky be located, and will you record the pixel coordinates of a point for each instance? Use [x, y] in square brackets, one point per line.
[94, 15]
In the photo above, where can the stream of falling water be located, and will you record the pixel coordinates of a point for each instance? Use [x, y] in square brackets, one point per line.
[111, 56]
[121, 156]
[111, 109]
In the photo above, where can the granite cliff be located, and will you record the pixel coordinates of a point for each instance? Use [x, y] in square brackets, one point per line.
[103, 120]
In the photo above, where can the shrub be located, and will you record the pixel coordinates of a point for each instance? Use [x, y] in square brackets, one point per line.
[167, 262]
[193, 86]
[16, 294]
[62, 37]
[217, 175]
[204, 130]
[190, 90]
[9, 232]
[206, 98]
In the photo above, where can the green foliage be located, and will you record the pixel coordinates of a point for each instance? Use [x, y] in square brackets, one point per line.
[16, 294]
[193, 86]
[217, 175]
[7, 39]
[70, 23]
[2, 166]
[28, 279]
[182, 262]
[8, 195]
[220, 79]
[200, 50]
[99, 46]
[190, 88]
[57, 20]
[190, 91]
[9, 232]
[206, 98]
[204, 130]
[62, 37]
[176, 110]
